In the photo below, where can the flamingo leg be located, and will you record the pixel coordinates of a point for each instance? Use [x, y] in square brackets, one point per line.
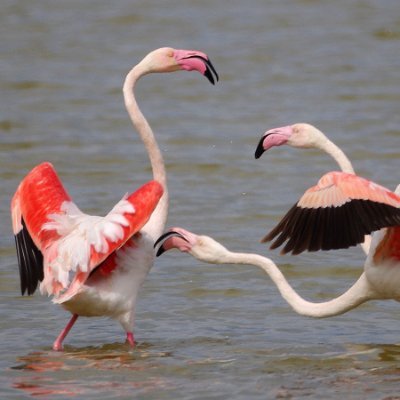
[130, 339]
[57, 346]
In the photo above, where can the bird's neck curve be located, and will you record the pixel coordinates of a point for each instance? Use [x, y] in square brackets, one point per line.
[359, 293]
[336, 153]
[156, 224]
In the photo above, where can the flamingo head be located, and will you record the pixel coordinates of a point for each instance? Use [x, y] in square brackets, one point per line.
[167, 59]
[298, 135]
[203, 248]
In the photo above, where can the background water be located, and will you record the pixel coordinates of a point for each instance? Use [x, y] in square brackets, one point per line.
[204, 332]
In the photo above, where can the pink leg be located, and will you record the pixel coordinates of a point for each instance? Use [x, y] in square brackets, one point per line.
[130, 339]
[57, 346]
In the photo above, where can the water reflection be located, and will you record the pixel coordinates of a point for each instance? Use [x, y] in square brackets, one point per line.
[115, 370]
[109, 356]
[65, 373]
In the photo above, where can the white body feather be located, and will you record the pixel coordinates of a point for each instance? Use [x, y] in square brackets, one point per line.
[115, 295]
[80, 235]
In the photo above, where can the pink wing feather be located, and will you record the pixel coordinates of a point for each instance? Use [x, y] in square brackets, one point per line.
[336, 213]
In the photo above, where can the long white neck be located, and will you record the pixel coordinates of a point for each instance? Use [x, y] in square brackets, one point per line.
[345, 165]
[156, 224]
[336, 153]
[359, 293]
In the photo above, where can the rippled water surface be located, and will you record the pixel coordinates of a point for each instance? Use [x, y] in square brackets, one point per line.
[204, 332]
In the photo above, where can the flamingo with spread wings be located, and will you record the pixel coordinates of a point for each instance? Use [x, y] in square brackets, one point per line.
[341, 208]
[306, 136]
[95, 266]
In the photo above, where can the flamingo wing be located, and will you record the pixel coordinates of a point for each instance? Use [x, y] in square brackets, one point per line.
[336, 214]
[57, 243]
[40, 193]
[30, 261]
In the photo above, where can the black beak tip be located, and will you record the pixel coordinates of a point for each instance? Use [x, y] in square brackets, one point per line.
[210, 70]
[158, 241]
[209, 76]
[260, 149]
[163, 237]
[160, 251]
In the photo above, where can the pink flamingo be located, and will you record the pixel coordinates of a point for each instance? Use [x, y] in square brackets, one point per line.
[95, 266]
[305, 136]
[346, 197]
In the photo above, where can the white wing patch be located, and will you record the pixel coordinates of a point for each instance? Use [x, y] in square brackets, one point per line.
[79, 234]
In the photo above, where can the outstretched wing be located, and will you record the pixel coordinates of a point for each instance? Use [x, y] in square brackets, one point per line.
[336, 213]
[40, 193]
[57, 243]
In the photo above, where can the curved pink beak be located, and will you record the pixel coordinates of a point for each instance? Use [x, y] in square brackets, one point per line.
[175, 238]
[171, 240]
[192, 60]
[273, 137]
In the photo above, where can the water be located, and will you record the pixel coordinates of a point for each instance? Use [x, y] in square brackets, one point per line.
[204, 332]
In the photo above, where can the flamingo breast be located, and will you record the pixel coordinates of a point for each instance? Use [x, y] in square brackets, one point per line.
[112, 288]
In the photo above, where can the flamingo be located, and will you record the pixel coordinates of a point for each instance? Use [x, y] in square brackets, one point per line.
[95, 266]
[305, 136]
[346, 197]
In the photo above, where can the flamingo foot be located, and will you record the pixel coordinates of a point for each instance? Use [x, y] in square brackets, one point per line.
[57, 345]
[130, 339]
